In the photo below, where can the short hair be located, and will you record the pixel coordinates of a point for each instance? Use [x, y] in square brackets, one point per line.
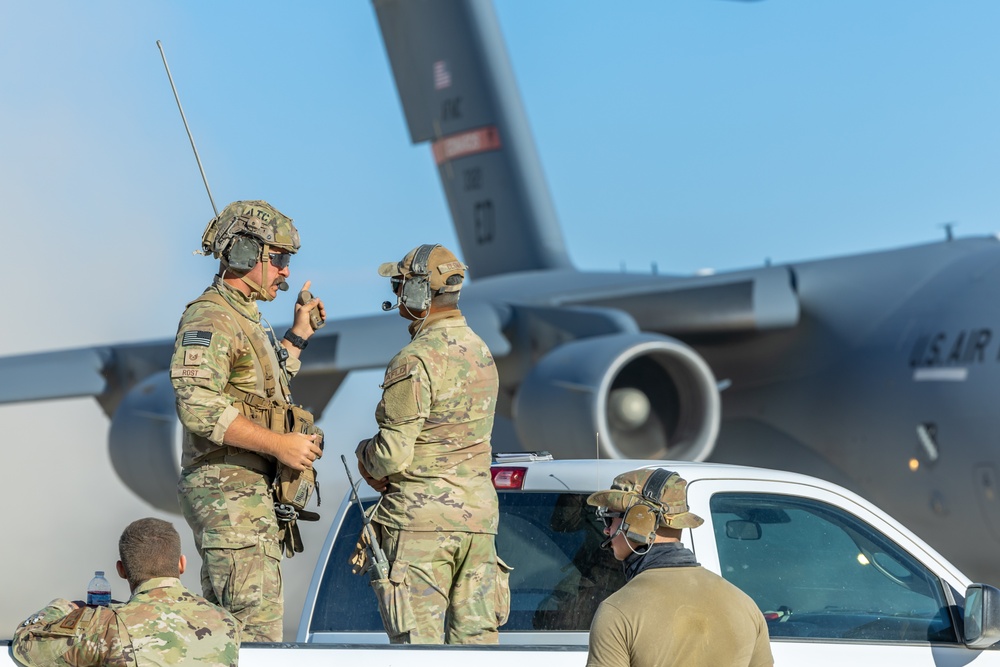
[449, 299]
[149, 548]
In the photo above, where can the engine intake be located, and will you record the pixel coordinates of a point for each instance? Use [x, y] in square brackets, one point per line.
[639, 396]
[145, 442]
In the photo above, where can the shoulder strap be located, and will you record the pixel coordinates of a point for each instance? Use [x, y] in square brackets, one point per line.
[244, 323]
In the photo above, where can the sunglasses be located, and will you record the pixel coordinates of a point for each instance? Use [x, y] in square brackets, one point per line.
[608, 517]
[396, 282]
[279, 260]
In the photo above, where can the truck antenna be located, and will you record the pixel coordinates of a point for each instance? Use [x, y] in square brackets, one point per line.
[190, 136]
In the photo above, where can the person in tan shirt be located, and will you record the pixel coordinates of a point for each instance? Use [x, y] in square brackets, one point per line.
[671, 610]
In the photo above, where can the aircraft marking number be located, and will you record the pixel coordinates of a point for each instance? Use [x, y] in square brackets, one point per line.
[472, 179]
[451, 109]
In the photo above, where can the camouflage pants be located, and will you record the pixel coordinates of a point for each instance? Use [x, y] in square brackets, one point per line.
[231, 511]
[451, 582]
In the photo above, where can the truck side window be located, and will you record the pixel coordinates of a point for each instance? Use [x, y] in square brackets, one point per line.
[561, 574]
[552, 540]
[817, 571]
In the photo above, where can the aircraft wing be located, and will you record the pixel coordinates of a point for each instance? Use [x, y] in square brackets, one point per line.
[108, 371]
[733, 303]
[131, 383]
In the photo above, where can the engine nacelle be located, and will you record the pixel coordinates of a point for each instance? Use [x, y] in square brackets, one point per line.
[145, 442]
[636, 396]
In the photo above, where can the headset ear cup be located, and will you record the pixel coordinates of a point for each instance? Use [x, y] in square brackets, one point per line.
[417, 293]
[243, 253]
[640, 521]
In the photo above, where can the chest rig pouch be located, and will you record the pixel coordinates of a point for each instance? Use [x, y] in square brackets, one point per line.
[292, 489]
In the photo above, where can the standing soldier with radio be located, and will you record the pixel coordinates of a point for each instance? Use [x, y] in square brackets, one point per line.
[242, 434]
[671, 611]
[431, 460]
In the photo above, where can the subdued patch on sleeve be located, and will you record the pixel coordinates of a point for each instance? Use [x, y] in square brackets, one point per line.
[190, 373]
[401, 399]
[397, 372]
[193, 357]
[196, 337]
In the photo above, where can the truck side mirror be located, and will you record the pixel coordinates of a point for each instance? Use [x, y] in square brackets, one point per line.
[982, 616]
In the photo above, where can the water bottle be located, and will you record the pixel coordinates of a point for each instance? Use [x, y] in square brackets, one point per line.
[99, 590]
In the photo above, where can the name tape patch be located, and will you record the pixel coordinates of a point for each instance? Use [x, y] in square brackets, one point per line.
[197, 338]
[398, 373]
[190, 373]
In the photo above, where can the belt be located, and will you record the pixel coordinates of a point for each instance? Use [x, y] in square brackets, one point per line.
[238, 457]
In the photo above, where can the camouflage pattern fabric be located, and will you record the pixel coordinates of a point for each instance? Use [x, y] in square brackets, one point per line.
[211, 351]
[162, 624]
[435, 420]
[450, 579]
[231, 510]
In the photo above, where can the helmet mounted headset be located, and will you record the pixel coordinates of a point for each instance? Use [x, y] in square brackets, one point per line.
[244, 234]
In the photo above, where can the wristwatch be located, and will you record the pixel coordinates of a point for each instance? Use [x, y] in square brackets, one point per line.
[297, 341]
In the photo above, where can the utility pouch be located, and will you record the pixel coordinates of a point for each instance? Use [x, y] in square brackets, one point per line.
[394, 601]
[294, 487]
[300, 420]
[502, 602]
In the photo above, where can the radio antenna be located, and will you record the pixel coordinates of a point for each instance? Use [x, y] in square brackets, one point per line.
[190, 137]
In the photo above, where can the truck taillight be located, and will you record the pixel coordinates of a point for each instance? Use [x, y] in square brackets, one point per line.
[508, 478]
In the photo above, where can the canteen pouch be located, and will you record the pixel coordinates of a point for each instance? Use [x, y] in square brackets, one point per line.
[394, 602]
[502, 602]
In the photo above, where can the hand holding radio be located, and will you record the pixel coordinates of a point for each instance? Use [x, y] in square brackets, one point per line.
[317, 313]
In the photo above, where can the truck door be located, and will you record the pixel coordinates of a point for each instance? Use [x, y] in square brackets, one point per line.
[832, 584]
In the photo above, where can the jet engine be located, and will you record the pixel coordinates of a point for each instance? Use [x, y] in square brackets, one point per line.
[145, 442]
[639, 396]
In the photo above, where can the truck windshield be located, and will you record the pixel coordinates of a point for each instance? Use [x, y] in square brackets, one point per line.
[552, 540]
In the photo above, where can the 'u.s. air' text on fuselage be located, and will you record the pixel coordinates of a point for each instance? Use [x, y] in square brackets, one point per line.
[953, 348]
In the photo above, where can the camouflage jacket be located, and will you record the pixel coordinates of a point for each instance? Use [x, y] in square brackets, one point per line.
[211, 351]
[162, 624]
[435, 419]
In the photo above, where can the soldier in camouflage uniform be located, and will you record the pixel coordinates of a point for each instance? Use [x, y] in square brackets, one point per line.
[431, 461]
[162, 624]
[231, 381]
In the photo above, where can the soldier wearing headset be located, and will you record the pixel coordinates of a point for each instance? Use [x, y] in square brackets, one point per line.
[231, 382]
[430, 459]
[671, 611]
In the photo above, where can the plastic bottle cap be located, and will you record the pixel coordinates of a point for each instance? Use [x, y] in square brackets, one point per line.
[99, 573]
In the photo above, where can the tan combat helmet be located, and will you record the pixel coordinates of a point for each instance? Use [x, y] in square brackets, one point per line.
[243, 235]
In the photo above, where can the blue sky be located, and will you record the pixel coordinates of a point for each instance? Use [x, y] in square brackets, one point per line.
[689, 133]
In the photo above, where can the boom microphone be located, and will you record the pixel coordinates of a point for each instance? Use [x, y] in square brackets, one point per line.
[283, 286]
[389, 305]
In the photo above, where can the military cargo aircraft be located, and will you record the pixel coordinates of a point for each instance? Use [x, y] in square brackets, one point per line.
[876, 371]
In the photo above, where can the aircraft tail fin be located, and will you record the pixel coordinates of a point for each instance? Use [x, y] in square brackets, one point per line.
[458, 91]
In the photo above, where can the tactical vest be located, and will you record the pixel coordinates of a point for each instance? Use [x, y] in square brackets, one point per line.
[292, 489]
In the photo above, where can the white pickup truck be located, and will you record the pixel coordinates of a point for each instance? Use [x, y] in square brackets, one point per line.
[839, 582]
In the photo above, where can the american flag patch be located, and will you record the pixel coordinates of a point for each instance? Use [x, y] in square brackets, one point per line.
[197, 338]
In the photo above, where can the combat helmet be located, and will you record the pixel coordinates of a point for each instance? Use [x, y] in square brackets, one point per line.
[244, 232]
